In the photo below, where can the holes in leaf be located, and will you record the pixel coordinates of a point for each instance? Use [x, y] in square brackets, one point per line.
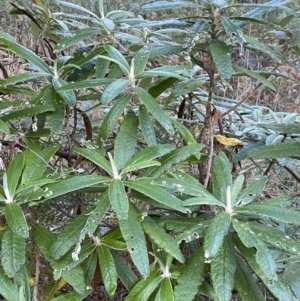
[196, 235]
[131, 250]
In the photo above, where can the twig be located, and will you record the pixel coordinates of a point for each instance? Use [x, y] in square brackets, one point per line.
[210, 156]
[36, 296]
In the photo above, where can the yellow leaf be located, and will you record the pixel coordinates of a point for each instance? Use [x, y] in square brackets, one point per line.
[228, 141]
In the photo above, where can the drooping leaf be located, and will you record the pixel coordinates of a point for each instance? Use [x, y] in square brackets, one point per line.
[149, 189]
[118, 199]
[69, 97]
[256, 76]
[143, 289]
[191, 277]
[221, 177]
[254, 187]
[147, 155]
[221, 55]
[108, 270]
[166, 290]
[27, 112]
[223, 267]
[280, 150]
[14, 172]
[162, 239]
[21, 78]
[75, 277]
[8, 289]
[147, 126]
[156, 111]
[216, 232]
[72, 184]
[125, 273]
[277, 213]
[76, 230]
[44, 238]
[21, 280]
[126, 140]
[174, 157]
[13, 252]
[16, 220]
[117, 56]
[110, 120]
[263, 256]
[134, 237]
[277, 287]
[24, 52]
[114, 89]
[97, 156]
[245, 283]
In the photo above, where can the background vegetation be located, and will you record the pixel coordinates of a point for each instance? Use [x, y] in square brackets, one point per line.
[149, 150]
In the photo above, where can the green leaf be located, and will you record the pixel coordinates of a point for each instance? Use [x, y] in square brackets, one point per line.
[223, 267]
[279, 214]
[85, 84]
[276, 287]
[113, 90]
[146, 125]
[4, 128]
[275, 237]
[280, 150]
[68, 96]
[21, 280]
[263, 47]
[162, 239]
[78, 36]
[101, 67]
[143, 289]
[161, 196]
[174, 157]
[256, 76]
[108, 270]
[221, 55]
[263, 256]
[237, 187]
[221, 177]
[72, 296]
[111, 118]
[8, 289]
[125, 273]
[13, 253]
[24, 52]
[157, 112]
[141, 60]
[67, 262]
[72, 184]
[134, 237]
[216, 232]
[44, 238]
[185, 133]
[162, 86]
[76, 230]
[191, 277]
[166, 290]
[118, 199]
[169, 5]
[146, 156]
[117, 56]
[36, 163]
[245, 283]
[27, 112]
[75, 277]
[14, 173]
[254, 187]
[16, 220]
[21, 78]
[97, 156]
[126, 140]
